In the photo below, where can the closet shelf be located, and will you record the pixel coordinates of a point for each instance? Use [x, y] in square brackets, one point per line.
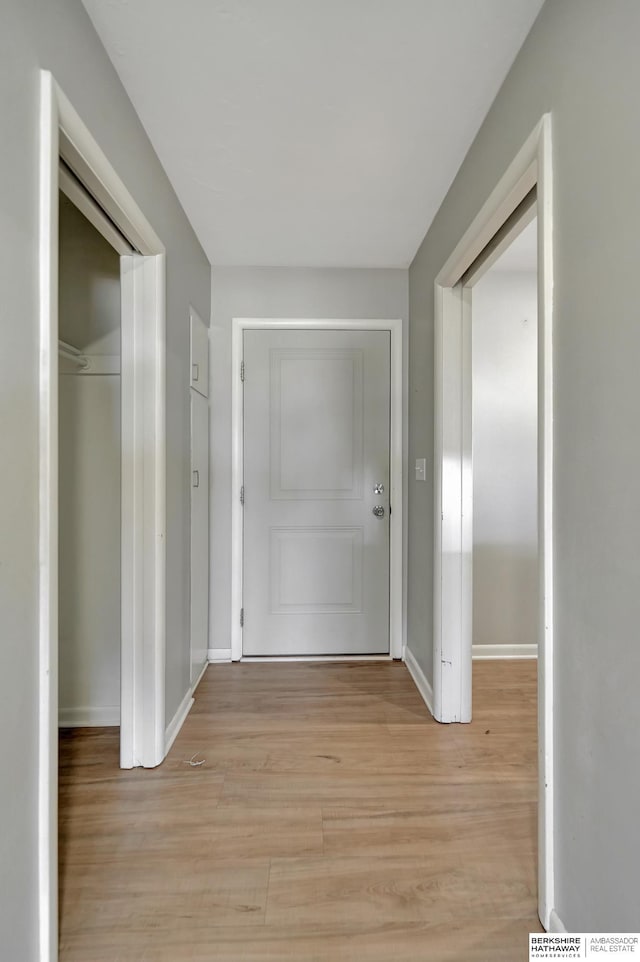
[88, 363]
[71, 353]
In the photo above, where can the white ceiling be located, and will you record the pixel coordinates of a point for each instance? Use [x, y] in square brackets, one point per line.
[312, 132]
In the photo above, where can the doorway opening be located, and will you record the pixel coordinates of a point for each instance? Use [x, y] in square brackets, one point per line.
[504, 360]
[525, 186]
[504, 332]
[71, 158]
[89, 471]
[89, 482]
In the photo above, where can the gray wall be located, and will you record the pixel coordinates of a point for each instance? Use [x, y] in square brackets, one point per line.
[274, 292]
[59, 36]
[89, 477]
[580, 62]
[88, 284]
[505, 458]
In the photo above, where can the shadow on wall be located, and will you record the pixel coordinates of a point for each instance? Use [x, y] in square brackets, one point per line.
[505, 594]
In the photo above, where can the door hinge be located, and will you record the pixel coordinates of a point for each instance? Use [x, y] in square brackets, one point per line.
[242, 370]
[242, 617]
[242, 494]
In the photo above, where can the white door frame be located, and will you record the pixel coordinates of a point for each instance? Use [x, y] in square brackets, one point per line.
[63, 133]
[242, 324]
[532, 167]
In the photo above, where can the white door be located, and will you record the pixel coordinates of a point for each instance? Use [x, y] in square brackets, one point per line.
[316, 483]
[199, 533]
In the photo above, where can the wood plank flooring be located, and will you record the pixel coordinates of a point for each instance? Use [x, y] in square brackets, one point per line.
[331, 819]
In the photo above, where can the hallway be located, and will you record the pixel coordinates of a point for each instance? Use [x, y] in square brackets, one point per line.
[331, 819]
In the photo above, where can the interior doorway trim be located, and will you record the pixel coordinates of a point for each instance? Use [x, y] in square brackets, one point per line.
[240, 325]
[532, 167]
[64, 134]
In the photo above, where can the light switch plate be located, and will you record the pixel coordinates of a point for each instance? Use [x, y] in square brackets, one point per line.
[421, 469]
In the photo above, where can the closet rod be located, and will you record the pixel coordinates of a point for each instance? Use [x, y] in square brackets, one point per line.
[71, 353]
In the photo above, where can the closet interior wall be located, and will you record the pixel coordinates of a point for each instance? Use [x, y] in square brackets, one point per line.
[89, 475]
[505, 452]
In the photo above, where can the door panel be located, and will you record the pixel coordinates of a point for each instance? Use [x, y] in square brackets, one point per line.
[325, 463]
[316, 442]
[316, 570]
[199, 532]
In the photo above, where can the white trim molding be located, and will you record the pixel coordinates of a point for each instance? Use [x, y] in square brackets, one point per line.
[185, 706]
[420, 679]
[556, 925]
[142, 280]
[318, 659]
[494, 652]
[177, 721]
[215, 655]
[394, 326]
[64, 134]
[453, 507]
[48, 526]
[89, 717]
[199, 676]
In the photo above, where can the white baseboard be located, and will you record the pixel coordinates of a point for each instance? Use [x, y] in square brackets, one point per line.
[555, 923]
[420, 679]
[177, 721]
[504, 651]
[322, 659]
[88, 717]
[219, 654]
[199, 678]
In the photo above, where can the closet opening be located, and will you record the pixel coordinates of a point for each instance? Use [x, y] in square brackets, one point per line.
[504, 366]
[503, 301]
[89, 482]
[89, 491]
[524, 193]
[130, 689]
[89, 470]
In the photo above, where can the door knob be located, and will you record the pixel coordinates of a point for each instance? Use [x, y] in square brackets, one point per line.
[379, 511]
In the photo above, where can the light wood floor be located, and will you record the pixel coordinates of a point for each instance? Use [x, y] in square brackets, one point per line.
[332, 819]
